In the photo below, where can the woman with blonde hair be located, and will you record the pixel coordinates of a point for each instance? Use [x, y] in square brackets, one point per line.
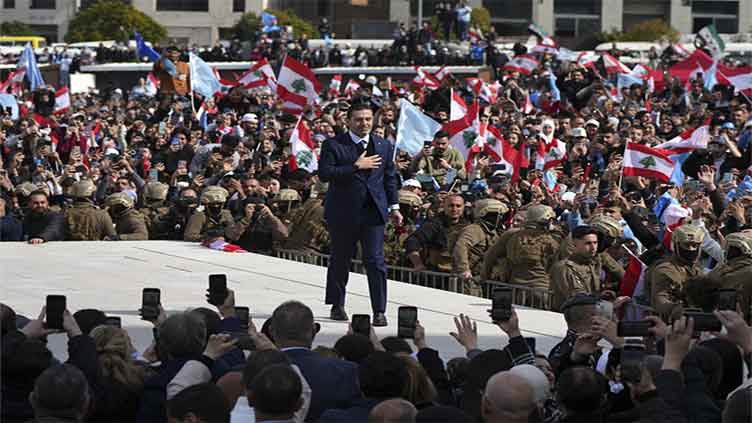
[121, 377]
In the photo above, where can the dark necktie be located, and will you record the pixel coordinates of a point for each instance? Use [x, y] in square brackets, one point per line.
[361, 148]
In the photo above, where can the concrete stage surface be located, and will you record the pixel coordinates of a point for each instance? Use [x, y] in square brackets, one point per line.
[110, 276]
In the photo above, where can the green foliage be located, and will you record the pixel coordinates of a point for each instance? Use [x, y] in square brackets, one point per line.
[481, 18]
[652, 30]
[112, 19]
[16, 28]
[249, 24]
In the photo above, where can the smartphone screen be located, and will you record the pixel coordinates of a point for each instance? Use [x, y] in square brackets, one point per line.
[153, 174]
[705, 322]
[606, 309]
[150, 301]
[361, 324]
[633, 328]
[501, 307]
[217, 289]
[244, 314]
[113, 321]
[530, 343]
[55, 308]
[407, 320]
[727, 299]
[631, 362]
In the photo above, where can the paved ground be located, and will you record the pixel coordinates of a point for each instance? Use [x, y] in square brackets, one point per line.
[111, 275]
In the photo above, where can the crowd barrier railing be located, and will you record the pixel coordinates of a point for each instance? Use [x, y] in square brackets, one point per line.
[531, 297]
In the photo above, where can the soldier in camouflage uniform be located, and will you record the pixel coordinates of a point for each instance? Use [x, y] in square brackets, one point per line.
[665, 279]
[84, 221]
[172, 225]
[155, 206]
[580, 273]
[430, 247]
[473, 242]
[395, 236]
[736, 272]
[529, 252]
[213, 198]
[284, 204]
[609, 231]
[129, 223]
[307, 227]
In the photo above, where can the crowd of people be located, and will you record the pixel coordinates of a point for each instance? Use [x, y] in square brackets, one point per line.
[120, 165]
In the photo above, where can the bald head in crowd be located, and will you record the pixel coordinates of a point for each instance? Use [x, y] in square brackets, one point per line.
[508, 398]
[395, 410]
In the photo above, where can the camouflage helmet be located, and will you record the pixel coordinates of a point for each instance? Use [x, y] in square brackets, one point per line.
[156, 191]
[539, 214]
[319, 188]
[287, 194]
[687, 233]
[489, 205]
[410, 198]
[83, 189]
[214, 194]
[25, 189]
[607, 226]
[741, 241]
[119, 199]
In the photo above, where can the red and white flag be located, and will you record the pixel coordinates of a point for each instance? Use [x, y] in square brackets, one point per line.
[464, 134]
[689, 140]
[441, 74]
[740, 78]
[303, 154]
[457, 106]
[297, 86]
[547, 45]
[633, 282]
[152, 84]
[352, 87]
[259, 75]
[499, 149]
[673, 216]
[425, 79]
[486, 92]
[641, 160]
[335, 85]
[226, 83]
[62, 101]
[550, 155]
[523, 64]
[14, 81]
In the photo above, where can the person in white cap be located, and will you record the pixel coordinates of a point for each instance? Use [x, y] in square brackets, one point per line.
[412, 185]
[592, 127]
[249, 124]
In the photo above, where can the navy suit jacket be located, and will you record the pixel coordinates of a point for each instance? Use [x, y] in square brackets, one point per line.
[357, 413]
[334, 382]
[348, 187]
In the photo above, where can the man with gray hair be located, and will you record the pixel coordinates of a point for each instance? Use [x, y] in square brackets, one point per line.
[508, 398]
[61, 393]
[395, 410]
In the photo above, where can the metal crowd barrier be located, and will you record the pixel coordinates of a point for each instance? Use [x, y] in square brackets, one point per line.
[530, 297]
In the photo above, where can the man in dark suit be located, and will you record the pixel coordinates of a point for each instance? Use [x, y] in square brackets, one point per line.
[334, 382]
[362, 193]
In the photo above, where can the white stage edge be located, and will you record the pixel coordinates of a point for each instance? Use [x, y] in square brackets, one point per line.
[110, 276]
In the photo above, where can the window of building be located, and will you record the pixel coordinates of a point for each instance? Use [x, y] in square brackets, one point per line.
[9, 4]
[428, 6]
[42, 4]
[576, 26]
[183, 5]
[238, 6]
[509, 10]
[577, 7]
[724, 14]
[322, 8]
[87, 3]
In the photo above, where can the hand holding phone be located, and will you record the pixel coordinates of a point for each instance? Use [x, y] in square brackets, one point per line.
[150, 303]
[501, 306]
[55, 308]
[407, 321]
[217, 293]
[244, 315]
[361, 324]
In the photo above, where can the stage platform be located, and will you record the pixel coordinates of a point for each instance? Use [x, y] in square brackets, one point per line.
[110, 276]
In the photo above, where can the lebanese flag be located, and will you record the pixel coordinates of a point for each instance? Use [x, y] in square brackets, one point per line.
[550, 155]
[425, 79]
[641, 160]
[297, 85]
[672, 217]
[486, 92]
[258, 75]
[352, 87]
[226, 83]
[613, 65]
[464, 134]
[14, 79]
[457, 106]
[41, 120]
[152, 84]
[441, 74]
[689, 140]
[62, 101]
[499, 149]
[547, 45]
[633, 283]
[222, 245]
[303, 154]
[335, 85]
[523, 64]
[740, 78]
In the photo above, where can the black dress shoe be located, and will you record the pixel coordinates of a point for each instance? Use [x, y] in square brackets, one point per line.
[338, 313]
[379, 319]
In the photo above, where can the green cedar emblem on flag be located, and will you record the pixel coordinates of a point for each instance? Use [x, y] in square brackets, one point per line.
[299, 86]
[648, 162]
[304, 158]
[469, 138]
[553, 153]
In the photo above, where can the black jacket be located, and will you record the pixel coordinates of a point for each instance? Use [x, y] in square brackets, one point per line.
[49, 227]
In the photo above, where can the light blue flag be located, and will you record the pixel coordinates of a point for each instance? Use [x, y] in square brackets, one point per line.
[29, 61]
[663, 201]
[269, 22]
[143, 50]
[555, 93]
[413, 128]
[711, 76]
[625, 80]
[8, 101]
[203, 80]
[677, 177]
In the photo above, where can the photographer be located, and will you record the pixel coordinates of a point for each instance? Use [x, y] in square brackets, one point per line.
[438, 159]
[258, 230]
